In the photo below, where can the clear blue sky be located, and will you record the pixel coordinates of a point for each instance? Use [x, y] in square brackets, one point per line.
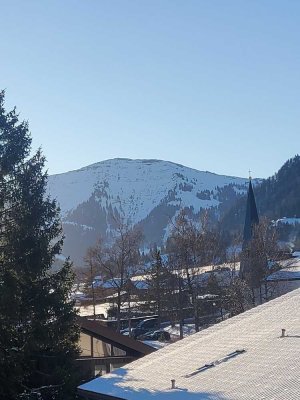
[214, 84]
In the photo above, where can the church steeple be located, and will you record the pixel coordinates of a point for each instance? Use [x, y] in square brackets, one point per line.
[251, 218]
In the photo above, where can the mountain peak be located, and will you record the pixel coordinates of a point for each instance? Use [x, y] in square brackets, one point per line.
[147, 192]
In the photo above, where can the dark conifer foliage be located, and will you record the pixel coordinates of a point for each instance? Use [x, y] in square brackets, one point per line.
[38, 332]
[276, 197]
[282, 191]
[14, 140]
[251, 218]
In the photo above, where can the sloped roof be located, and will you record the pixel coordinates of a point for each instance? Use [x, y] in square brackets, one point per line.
[266, 366]
[109, 335]
[286, 274]
[289, 272]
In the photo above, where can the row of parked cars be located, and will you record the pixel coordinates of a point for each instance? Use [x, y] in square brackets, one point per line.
[148, 329]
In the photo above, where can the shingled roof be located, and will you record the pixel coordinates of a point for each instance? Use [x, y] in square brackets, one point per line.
[242, 358]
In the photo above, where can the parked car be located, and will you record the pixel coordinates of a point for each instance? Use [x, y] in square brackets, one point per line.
[160, 335]
[146, 326]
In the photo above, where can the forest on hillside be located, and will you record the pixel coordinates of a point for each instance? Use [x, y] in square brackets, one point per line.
[276, 197]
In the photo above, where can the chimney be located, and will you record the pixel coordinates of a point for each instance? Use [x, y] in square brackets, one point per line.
[282, 333]
[173, 384]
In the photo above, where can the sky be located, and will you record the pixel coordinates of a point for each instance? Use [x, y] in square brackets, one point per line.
[213, 85]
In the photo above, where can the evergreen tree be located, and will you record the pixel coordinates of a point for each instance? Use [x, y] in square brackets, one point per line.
[14, 147]
[38, 334]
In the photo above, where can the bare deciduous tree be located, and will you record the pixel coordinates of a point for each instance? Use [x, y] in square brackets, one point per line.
[117, 263]
[237, 296]
[192, 246]
[260, 258]
[162, 293]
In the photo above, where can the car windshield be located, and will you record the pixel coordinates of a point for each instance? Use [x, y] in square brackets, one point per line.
[146, 322]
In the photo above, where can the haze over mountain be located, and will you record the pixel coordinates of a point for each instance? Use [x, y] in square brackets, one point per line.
[147, 193]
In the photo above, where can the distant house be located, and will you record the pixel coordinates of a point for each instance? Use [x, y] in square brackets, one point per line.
[254, 355]
[111, 286]
[103, 349]
[287, 278]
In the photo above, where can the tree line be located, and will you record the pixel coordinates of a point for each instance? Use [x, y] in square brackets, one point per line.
[195, 276]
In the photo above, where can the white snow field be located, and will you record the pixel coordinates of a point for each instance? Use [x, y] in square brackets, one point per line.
[137, 186]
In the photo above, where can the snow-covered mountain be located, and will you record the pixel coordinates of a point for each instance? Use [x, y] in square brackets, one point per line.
[146, 192]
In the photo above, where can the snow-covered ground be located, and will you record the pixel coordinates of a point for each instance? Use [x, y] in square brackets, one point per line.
[85, 311]
[156, 344]
[174, 331]
[84, 227]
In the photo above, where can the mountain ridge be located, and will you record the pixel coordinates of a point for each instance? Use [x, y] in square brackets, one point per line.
[147, 192]
[146, 160]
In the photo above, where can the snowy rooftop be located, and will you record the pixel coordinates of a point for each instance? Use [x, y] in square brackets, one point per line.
[286, 274]
[291, 271]
[288, 221]
[242, 358]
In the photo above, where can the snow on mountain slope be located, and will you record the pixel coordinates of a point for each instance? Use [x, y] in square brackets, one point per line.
[137, 186]
[137, 189]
